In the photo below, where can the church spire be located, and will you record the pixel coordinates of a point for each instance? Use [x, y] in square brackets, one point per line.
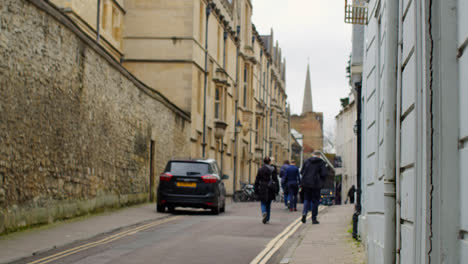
[307, 103]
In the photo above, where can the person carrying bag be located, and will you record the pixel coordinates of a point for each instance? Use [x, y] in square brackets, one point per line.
[266, 188]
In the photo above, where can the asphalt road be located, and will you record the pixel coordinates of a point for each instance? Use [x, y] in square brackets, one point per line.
[187, 236]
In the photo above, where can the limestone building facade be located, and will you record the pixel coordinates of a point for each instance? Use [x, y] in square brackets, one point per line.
[207, 58]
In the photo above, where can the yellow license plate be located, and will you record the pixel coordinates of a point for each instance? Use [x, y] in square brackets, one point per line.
[187, 184]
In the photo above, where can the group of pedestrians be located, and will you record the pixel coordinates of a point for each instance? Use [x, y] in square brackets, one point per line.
[313, 173]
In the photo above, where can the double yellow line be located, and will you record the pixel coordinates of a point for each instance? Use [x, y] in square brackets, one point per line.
[102, 241]
[276, 243]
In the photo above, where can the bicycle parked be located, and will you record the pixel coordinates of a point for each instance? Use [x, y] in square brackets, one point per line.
[245, 194]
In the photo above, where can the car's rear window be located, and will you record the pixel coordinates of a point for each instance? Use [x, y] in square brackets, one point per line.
[188, 168]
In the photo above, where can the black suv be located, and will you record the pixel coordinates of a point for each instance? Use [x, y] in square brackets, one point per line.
[192, 183]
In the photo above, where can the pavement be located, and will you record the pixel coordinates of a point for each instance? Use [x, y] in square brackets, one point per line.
[37, 240]
[328, 242]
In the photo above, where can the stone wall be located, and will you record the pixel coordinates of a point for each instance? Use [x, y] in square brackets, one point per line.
[75, 127]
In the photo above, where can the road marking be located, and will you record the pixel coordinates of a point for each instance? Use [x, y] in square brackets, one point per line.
[103, 241]
[276, 243]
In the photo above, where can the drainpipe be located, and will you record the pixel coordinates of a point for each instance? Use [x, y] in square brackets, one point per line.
[235, 106]
[398, 140]
[390, 92]
[98, 20]
[208, 11]
[267, 114]
[358, 87]
[268, 100]
[224, 67]
[250, 151]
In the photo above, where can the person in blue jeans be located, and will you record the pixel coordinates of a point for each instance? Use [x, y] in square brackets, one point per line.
[266, 187]
[313, 173]
[293, 179]
[283, 183]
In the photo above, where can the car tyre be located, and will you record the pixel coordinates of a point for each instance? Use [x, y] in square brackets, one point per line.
[160, 208]
[171, 208]
[223, 209]
[215, 210]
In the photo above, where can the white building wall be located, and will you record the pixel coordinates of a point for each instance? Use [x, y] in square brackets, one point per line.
[432, 114]
[346, 145]
[463, 116]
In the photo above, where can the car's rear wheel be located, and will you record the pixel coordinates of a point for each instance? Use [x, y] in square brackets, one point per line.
[170, 208]
[223, 209]
[160, 208]
[215, 210]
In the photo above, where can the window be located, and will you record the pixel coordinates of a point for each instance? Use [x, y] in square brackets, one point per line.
[245, 85]
[220, 39]
[218, 96]
[188, 168]
[202, 13]
[271, 118]
[257, 120]
[199, 91]
[116, 23]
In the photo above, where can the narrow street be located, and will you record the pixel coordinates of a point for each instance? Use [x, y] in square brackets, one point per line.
[187, 236]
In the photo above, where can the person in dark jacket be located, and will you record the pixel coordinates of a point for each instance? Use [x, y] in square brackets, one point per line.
[351, 192]
[293, 179]
[266, 187]
[313, 173]
[284, 186]
[338, 193]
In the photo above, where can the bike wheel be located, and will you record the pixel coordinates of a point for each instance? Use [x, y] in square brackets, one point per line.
[236, 197]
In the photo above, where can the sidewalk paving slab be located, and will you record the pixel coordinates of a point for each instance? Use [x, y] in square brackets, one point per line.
[26, 243]
[329, 241]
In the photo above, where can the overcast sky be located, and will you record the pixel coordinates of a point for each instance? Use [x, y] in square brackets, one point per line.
[310, 29]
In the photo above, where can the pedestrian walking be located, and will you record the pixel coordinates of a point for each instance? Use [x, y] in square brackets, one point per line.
[338, 193]
[284, 186]
[313, 173]
[293, 179]
[351, 192]
[266, 187]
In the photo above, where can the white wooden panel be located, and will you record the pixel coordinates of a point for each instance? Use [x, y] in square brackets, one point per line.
[408, 32]
[408, 140]
[371, 140]
[371, 83]
[464, 251]
[370, 239]
[370, 34]
[381, 123]
[405, 4]
[464, 188]
[407, 243]
[380, 235]
[408, 89]
[380, 201]
[370, 111]
[462, 21]
[464, 94]
[407, 182]
[382, 55]
[381, 156]
[381, 90]
[370, 169]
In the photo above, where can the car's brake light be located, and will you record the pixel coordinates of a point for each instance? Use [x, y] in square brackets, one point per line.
[165, 177]
[209, 179]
